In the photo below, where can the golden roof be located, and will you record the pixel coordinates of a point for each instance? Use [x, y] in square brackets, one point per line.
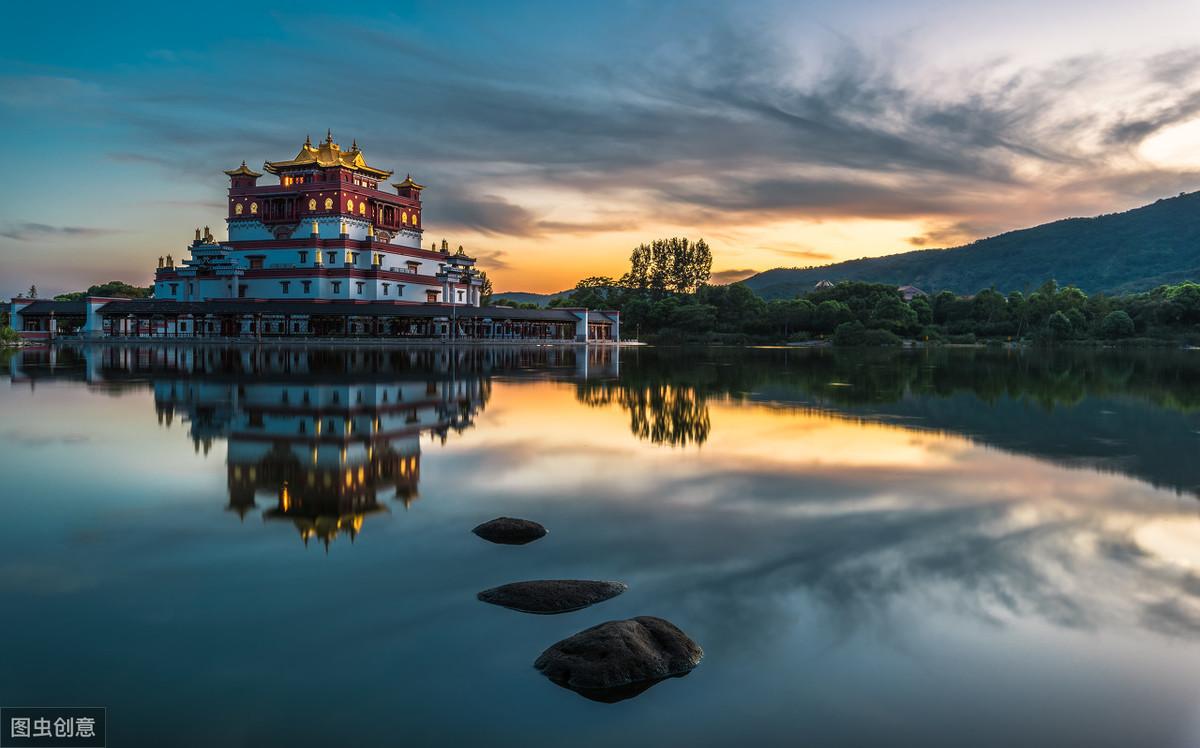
[408, 182]
[328, 155]
[244, 171]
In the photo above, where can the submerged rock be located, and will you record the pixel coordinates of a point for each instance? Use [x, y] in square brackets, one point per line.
[552, 595]
[620, 659]
[510, 531]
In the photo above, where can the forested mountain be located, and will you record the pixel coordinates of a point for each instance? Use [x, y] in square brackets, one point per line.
[1131, 251]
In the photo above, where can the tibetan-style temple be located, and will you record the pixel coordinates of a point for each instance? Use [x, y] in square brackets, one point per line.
[328, 251]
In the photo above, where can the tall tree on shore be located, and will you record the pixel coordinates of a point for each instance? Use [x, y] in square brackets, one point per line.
[673, 265]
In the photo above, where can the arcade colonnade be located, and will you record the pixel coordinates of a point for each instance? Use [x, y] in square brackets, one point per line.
[152, 319]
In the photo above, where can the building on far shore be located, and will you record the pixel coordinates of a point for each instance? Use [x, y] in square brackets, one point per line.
[326, 252]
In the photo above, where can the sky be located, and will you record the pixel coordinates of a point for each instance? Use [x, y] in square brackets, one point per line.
[555, 137]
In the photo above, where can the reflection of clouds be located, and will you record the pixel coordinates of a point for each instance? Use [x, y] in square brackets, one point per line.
[861, 525]
[26, 439]
[27, 578]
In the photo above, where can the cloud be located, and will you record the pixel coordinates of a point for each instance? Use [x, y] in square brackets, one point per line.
[721, 277]
[487, 214]
[32, 231]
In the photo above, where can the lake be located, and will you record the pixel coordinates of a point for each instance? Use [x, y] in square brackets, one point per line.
[254, 546]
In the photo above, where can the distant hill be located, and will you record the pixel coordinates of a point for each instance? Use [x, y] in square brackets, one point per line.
[1115, 253]
[522, 297]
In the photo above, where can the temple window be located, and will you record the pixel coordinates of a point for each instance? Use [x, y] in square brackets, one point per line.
[237, 209]
[362, 209]
[404, 218]
[332, 258]
[413, 267]
[312, 204]
[256, 263]
[329, 203]
[360, 287]
[385, 289]
[350, 206]
[307, 285]
[336, 286]
[303, 258]
[174, 288]
[283, 286]
[431, 296]
[241, 290]
[254, 208]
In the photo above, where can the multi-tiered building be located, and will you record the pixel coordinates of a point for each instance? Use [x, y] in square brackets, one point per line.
[330, 229]
[332, 249]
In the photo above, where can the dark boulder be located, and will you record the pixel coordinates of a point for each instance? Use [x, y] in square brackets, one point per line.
[552, 595]
[510, 531]
[620, 659]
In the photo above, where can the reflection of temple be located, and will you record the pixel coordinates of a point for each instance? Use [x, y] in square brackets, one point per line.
[324, 455]
[318, 437]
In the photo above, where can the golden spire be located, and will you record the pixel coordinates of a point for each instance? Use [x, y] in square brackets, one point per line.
[354, 144]
[308, 140]
[243, 171]
[328, 135]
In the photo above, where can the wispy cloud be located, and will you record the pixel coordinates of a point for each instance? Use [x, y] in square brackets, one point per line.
[31, 231]
[722, 277]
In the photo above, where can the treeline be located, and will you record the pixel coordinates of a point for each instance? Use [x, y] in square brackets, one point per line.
[665, 298]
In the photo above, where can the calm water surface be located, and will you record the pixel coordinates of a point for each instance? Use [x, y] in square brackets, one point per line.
[271, 546]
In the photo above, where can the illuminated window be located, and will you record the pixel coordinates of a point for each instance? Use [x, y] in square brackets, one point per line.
[312, 204]
[362, 209]
[349, 206]
[414, 220]
[404, 218]
[254, 207]
[329, 203]
[238, 209]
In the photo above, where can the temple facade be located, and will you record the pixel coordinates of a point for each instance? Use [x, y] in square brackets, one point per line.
[328, 250]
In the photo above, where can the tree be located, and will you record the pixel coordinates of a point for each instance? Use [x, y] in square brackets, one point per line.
[485, 291]
[830, 314]
[1116, 325]
[670, 265]
[1059, 326]
[33, 292]
[892, 314]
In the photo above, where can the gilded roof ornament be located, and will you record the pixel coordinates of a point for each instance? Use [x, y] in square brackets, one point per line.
[408, 182]
[243, 171]
[328, 155]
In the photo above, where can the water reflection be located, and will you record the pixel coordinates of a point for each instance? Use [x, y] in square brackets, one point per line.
[953, 547]
[1072, 407]
[326, 437]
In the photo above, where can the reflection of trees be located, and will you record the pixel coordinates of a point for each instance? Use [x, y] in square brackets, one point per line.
[660, 412]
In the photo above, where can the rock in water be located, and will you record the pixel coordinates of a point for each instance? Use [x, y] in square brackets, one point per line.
[510, 531]
[552, 595]
[618, 656]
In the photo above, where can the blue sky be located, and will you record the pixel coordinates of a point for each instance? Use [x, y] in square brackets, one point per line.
[556, 136]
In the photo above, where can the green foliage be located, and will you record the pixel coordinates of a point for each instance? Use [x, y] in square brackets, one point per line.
[855, 333]
[485, 291]
[1116, 325]
[8, 336]
[112, 289]
[653, 309]
[672, 265]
